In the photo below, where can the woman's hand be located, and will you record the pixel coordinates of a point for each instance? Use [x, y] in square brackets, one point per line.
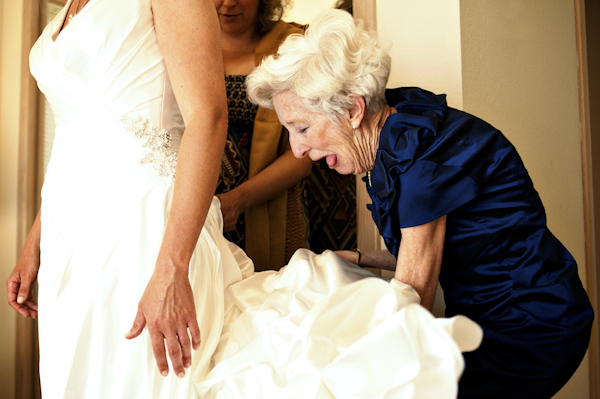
[280, 175]
[381, 259]
[20, 285]
[350, 256]
[167, 309]
[231, 209]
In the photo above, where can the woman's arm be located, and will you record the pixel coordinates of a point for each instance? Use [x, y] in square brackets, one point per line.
[19, 284]
[188, 35]
[420, 258]
[279, 176]
[381, 259]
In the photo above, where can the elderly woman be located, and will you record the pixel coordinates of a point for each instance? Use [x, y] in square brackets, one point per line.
[451, 198]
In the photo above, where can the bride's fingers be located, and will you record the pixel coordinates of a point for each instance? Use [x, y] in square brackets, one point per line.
[175, 354]
[31, 307]
[26, 308]
[31, 304]
[26, 312]
[12, 289]
[158, 348]
[186, 346]
[194, 332]
[137, 327]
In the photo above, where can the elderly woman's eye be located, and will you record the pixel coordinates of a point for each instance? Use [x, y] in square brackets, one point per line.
[302, 129]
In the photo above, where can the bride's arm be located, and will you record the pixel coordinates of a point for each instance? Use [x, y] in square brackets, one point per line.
[188, 35]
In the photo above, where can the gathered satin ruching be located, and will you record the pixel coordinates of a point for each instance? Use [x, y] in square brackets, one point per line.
[501, 265]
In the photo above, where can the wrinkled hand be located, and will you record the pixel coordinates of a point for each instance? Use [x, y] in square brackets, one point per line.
[230, 210]
[167, 309]
[19, 286]
[350, 256]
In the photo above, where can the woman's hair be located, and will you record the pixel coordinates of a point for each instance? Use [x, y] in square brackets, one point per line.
[334, 58]
[269, 12]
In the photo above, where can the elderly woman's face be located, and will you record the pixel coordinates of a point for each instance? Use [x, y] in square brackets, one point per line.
[317, 136]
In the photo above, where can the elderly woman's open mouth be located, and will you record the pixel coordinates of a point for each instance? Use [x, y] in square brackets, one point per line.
[332, 160]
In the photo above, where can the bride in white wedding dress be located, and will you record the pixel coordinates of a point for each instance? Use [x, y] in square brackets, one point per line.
[118, 239]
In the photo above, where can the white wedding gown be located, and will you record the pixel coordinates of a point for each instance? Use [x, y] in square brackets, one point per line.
[316, 329]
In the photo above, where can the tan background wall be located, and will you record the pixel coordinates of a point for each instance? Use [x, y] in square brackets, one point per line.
[520, 74]
[303, 11]
[10, 67]
[424, 41]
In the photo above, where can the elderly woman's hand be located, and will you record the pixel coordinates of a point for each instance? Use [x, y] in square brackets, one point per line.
[167, 309]
[350, 256]
[381, 259]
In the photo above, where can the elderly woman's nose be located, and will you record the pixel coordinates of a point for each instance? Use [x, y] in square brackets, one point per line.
[298, 149]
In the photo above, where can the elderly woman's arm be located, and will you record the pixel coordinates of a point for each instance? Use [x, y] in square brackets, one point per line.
[382, 259]
[420, 258]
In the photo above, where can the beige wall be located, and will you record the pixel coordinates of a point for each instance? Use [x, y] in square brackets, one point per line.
[425, 45]
[520, 74]
[515, 65]
[303, 11]
[10, 56]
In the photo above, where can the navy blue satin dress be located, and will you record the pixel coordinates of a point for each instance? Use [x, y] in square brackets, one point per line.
[501, 266]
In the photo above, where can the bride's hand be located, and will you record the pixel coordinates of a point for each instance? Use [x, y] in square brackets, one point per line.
[167, 309]
[19, 285]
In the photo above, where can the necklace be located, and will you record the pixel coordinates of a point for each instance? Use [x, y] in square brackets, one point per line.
[369, 178]
[77, 9]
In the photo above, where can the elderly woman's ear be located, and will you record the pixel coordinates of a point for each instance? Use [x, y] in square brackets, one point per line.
[357, 110]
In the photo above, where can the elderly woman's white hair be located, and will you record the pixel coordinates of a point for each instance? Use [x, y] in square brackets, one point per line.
[335, 57]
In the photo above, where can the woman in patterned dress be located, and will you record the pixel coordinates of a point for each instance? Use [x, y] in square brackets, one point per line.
[260, 182]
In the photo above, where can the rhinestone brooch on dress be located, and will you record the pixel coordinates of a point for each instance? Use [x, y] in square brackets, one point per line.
[157, 143]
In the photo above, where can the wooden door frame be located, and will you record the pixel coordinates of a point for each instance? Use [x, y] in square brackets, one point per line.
[588, 131]
[367, 235]
[27, 384]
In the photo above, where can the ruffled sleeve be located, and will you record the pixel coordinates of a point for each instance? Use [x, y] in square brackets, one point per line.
[416, 178]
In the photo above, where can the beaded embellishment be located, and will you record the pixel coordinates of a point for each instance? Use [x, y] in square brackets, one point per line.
[157, 143]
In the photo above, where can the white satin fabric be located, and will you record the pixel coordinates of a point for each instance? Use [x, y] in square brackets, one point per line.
[317, 328]
[324, 328]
